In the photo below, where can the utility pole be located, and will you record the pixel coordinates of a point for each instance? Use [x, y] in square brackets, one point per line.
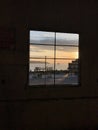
[45, 68]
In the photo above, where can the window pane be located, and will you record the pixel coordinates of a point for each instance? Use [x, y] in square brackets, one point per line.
[66, 72]
[41, 72]
[66, 52]
[62, 64]
[37, 64]
[67, 39]
[41, 51]
[42, 37]
[49, 72]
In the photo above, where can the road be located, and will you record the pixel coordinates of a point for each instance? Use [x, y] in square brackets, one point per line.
[59, 79]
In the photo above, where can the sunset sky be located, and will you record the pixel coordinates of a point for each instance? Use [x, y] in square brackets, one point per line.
[45, 50]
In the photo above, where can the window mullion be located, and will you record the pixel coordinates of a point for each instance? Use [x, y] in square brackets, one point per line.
[54, 56]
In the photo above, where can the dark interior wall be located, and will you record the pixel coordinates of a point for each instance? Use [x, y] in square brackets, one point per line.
[49, 108]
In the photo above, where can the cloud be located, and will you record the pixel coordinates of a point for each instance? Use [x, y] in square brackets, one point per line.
[35, 49]
[41, 37]
[42, 48]
[52, 42]
[48, 40]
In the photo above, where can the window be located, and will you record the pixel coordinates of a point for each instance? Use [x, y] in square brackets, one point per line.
[53, 58]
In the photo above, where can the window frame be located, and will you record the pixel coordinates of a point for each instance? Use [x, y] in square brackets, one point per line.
[55, 85]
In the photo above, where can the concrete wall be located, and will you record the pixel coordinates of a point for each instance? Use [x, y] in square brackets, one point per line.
[24, 107]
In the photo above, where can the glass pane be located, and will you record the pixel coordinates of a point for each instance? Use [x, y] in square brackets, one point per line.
[41, 72]
[42, 37]
[37, 64]
[66, 52]
[66, 72]
[62, 64]
[41, 51]
[67, 39]
[49, 72]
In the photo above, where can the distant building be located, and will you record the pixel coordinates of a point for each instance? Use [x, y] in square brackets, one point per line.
[73, 67]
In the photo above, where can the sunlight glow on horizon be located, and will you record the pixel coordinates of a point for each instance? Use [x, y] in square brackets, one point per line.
[49, 53]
